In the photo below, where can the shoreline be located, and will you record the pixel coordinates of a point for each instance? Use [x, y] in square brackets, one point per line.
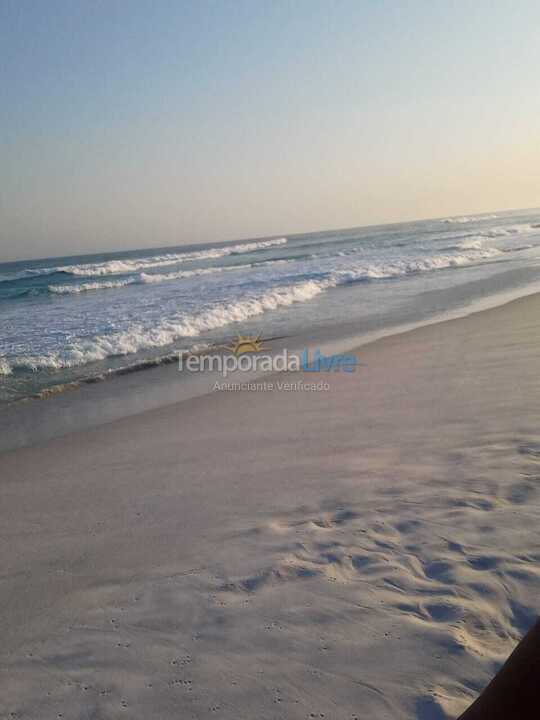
[86, 403]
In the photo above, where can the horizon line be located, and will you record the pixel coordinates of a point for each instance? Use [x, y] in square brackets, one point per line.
[267, 237]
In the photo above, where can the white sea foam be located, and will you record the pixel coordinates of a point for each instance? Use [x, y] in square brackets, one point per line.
[476, 241]
[120, 267]
[181, 274]
[152, 278]
[138, 337]
[5, 367]
[458, 220]
[141, 278]
[418, 265]
[116, 267]
[472, 243]
[85, 287]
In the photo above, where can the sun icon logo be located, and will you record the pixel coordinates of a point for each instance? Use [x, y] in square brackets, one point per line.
[246, 344]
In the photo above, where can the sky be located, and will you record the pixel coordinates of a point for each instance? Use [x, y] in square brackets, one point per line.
[146, 123]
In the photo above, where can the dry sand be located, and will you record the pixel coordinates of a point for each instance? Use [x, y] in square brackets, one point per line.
[367, 552]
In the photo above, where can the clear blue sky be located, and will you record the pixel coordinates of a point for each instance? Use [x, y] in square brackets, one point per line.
[141, 123]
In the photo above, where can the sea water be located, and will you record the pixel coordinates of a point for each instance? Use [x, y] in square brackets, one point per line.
[73, 319]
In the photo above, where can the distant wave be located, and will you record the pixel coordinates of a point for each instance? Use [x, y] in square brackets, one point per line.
[182, 274]
[473, 243]
[150, 278]
[465, 219]
[26, 274]
[116, 267]
[477, 243]
[144, 266]
[502, 231]
[521, 229]
[115, 284]
[373, 271]
[85, 287]
[476, 240]
[418, 265]
[124, 267]
[142, 278]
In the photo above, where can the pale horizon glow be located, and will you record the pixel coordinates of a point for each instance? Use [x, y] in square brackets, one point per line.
[139, 125]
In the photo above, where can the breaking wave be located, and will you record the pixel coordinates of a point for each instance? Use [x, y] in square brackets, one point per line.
[373, 271]
[141, 278]
[139, 337]
[123, 267]
[151, 278]
[181, 274]
[5, 367]
[117, 267]
[463, 220]
[476, 240]
[419, 265]
[85, 287]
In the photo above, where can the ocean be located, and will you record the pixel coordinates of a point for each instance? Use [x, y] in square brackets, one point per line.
[78, 319]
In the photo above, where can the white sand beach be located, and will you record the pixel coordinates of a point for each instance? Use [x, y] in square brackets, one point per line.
[371, 551]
